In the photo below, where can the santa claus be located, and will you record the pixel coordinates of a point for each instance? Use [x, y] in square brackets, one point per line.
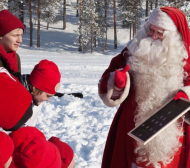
[151, 70]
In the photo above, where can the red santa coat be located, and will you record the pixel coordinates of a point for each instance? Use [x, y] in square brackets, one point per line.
[119, 148]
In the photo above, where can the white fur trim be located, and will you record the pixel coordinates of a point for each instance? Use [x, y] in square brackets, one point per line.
[106, 98]
[187, 118]
[162, 20]
[186, 89]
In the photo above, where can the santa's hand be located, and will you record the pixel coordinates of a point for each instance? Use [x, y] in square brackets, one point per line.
[120, 78]
[180, 94]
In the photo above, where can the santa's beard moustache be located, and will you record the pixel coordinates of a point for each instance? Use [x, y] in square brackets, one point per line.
[157, 77]
[162, 148]
[152, 51]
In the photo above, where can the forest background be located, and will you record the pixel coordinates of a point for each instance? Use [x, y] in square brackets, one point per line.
[81, 37]
[95, 17]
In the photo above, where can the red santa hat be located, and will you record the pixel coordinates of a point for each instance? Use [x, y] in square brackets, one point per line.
[15, 102]
[24, 133]
[65, 150]
[170, 18]
[37, 152]
[45, 76]
[8, 22]
[162, 20]
[6, 148]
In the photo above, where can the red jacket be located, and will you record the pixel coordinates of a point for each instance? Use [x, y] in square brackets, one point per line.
[119, 148]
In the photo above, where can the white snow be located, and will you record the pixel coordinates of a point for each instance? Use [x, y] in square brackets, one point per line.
[82, 123]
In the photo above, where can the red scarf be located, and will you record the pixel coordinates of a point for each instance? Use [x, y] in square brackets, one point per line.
[10, 59]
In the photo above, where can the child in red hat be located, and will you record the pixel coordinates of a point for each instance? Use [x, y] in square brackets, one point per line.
[15, 102]
[6, 150]
[36, 152]
[11, 30]
[32, 150]
[42, 83]
[66, 152]
[23, 133]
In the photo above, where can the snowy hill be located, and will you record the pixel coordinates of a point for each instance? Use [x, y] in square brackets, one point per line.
[82, 123]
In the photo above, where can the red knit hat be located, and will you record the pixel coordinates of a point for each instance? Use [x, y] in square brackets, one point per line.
[65, 150]
[15, 102]
[8, 22]
[36, 152]
[6, 147]
[45, 76]
[24, 133]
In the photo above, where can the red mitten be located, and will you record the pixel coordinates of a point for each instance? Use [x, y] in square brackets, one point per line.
[180, 94]
[120, 78]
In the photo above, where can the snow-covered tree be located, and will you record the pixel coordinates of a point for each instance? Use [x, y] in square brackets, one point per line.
[186, 9]
[17, 8]
[131, 12]
[49, 10]
[88, 26]
[3, 4]
[102, 10]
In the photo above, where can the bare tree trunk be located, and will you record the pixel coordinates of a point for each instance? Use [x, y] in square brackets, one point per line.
[94, 39]
[151, 5]
[156, 3]
[115, 31]
[80, 20]
[130, 31]
[146, 8]
[77, 14]
[21, 10]
[47, 22]
[64, 14]
[47, 26]
[106, 8]
[38, 31]
[9, 5]
[135, 20]
[1, 5]
[31, 25]
[134, 27]
[91, 29]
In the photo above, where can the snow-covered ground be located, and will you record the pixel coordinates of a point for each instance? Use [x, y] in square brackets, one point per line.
[82, 123]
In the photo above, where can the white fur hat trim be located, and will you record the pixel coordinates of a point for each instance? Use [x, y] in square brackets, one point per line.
[162, 20]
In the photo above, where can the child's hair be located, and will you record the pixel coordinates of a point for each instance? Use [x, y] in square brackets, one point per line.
[35, 91]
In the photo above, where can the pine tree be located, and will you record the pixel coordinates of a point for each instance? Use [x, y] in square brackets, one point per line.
[88, 28]
[131, 12]
[184, 8]
[102, 9]
[49, 10]
[3, 4]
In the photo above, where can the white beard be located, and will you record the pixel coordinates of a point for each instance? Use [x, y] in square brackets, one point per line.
[158, 75]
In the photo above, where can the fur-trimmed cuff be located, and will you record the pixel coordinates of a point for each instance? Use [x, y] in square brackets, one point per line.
[186, 89]
[106, 98]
